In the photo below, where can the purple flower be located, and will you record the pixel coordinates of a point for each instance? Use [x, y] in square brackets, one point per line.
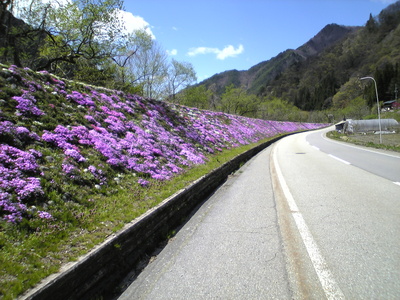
[17, 159]
[156, 143]
[92, 169]
[44, 215]
[92, 120]
[116, 125]
[26, 105]
[68, 168]
[30, 188]
[143, 182]
[22, 130]
[75, 155]
[82, 99]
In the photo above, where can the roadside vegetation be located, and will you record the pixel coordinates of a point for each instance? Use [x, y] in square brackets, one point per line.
[389, 141]
[77, 162]
[29, 254]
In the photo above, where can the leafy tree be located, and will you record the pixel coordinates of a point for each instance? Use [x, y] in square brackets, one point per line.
[19, 41]
[214, 99]
[357, 108]
[303, 98]
[149, 68]
[371, 24]
[237, 101]
[196, 96]
[272, 108]
[180, 75]
[389, 18]
[387, 77]
[4, 5]
[349, 91]
[86, 29]
[230, 99]
[60, 35]
[123, 65]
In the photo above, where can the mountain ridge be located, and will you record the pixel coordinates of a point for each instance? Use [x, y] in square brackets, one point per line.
[322, 73]
[266, 71]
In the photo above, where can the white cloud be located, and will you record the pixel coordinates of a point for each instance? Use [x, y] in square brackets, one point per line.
[172, 52]
[202, 50]
[130, 21]
[133, 23]
[19, 6]
[228, 51]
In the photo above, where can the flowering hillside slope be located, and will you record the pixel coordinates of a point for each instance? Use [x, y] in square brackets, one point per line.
[60, 141]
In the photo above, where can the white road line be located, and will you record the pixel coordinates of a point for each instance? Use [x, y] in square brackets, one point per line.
[357, 147]
[339, 159]
[315, 147]
[328, 283]
[398, 183]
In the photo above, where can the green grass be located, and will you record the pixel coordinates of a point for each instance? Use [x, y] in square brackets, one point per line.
[32, 252]
[390, 142]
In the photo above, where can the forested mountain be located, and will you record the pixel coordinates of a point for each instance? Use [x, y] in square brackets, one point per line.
[255, 78]
[311, 75]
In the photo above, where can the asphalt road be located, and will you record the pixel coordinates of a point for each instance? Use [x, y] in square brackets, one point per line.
[304, 219]
[230, 249]
[347, 218]
[383, 163]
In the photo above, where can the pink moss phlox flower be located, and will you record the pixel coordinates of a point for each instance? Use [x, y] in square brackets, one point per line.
[68, 168]
[143, 182]
[44, 215]
[82, 99]
[75, 155]
[15, 184]
[26, 105]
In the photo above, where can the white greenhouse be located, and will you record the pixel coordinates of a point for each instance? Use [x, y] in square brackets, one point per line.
[354, 126]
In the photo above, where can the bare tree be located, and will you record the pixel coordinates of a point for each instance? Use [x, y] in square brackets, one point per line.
[180, 75]
[150, 68]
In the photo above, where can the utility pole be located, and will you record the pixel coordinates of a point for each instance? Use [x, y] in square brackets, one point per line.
[379, 110]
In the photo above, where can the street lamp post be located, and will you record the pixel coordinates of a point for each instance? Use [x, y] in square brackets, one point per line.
[379, 111]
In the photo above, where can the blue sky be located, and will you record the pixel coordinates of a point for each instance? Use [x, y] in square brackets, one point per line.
[219, 35]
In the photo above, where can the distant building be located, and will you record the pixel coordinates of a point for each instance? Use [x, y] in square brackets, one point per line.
[353, 126]
[390, 105]
[340, 126]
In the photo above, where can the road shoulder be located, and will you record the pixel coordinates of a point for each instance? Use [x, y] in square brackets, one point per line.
[230, 249]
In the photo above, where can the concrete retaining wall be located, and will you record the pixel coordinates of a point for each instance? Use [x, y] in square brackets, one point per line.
[100, 271]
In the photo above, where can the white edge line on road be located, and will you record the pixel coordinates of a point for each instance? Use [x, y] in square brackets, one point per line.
[328, 283]
[356, 147]
[339, 159]
[398, 183]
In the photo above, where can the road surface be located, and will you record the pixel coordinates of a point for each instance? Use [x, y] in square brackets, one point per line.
[303, 219]
[348, 218]
[230, 249]
[383, 163]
